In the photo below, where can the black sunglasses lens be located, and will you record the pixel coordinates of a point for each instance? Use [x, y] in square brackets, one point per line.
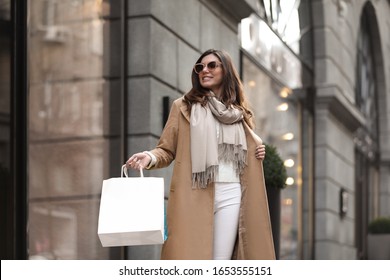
[212, 65]
[199, 68]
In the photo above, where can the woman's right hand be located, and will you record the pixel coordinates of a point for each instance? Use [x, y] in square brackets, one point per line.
[260, 152]
[138, 161]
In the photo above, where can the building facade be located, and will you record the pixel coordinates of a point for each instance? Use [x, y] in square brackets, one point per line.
[86, 83]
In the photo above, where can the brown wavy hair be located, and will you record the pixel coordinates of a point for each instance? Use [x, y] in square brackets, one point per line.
[232, 88]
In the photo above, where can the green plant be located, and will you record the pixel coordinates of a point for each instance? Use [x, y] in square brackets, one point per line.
[275, 173]
[379, 225]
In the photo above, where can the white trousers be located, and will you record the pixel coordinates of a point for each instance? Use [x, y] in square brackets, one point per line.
[226, 213]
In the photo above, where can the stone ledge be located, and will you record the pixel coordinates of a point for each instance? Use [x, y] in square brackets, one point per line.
[238, 9]
[331, 98]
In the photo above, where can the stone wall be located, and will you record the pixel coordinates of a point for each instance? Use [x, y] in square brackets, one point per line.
[336, 29]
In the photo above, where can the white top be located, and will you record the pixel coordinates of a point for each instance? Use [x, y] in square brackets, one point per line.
[226, 172]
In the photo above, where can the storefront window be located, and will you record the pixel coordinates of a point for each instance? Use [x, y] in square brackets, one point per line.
[276, 47]
[283, 17]
[261, 42]
[276, 113]
[69, 136]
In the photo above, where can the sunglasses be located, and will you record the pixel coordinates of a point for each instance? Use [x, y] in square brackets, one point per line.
[199, 67]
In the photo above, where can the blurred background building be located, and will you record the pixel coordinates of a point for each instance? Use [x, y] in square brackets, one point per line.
[85, 83]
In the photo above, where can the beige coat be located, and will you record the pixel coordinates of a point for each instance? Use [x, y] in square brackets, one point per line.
[190, 211]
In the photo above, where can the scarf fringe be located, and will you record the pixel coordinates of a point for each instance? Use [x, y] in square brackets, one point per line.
[201, 179]
[226, 153]
[233, 153]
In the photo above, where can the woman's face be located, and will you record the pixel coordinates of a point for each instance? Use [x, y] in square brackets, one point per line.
[211, 78]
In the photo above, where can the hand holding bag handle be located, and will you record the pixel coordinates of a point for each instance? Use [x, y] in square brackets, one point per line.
[124, 171]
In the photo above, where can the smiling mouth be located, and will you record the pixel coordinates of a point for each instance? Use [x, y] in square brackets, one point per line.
[206, 78]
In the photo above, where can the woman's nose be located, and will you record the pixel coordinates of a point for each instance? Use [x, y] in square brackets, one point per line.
[205, 69]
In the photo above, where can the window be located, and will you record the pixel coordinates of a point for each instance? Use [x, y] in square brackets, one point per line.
[70, 139]
[366, 137]
[283, 17]
[276, 119]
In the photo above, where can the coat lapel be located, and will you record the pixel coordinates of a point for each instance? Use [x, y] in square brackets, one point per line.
[184, 111]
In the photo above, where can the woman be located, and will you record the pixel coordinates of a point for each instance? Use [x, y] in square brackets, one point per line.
[217, 207]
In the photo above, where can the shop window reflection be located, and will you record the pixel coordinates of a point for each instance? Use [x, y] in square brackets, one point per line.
[68, 137]
[56, 236]
[277, 124]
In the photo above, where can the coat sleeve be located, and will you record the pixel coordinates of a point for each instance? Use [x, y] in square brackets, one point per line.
[165, 150]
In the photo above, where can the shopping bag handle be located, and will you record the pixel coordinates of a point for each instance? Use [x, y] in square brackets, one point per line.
[124, 171]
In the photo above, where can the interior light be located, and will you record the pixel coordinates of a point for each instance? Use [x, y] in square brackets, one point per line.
[285, 92]
[288, 201]
[282, 107]
[290, 181]
[251, 83]
[288, 136]
[289, 162]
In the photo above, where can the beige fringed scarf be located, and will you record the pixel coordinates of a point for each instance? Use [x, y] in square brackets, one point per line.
[206, 150]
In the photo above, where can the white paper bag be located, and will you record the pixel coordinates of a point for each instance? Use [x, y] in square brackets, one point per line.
[131, 211]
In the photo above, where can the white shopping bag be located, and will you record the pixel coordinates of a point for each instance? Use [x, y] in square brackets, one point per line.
[131, 211]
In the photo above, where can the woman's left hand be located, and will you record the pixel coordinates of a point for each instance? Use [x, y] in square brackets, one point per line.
[260, 152]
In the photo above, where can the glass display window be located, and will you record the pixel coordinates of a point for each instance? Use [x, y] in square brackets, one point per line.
[277, 123]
